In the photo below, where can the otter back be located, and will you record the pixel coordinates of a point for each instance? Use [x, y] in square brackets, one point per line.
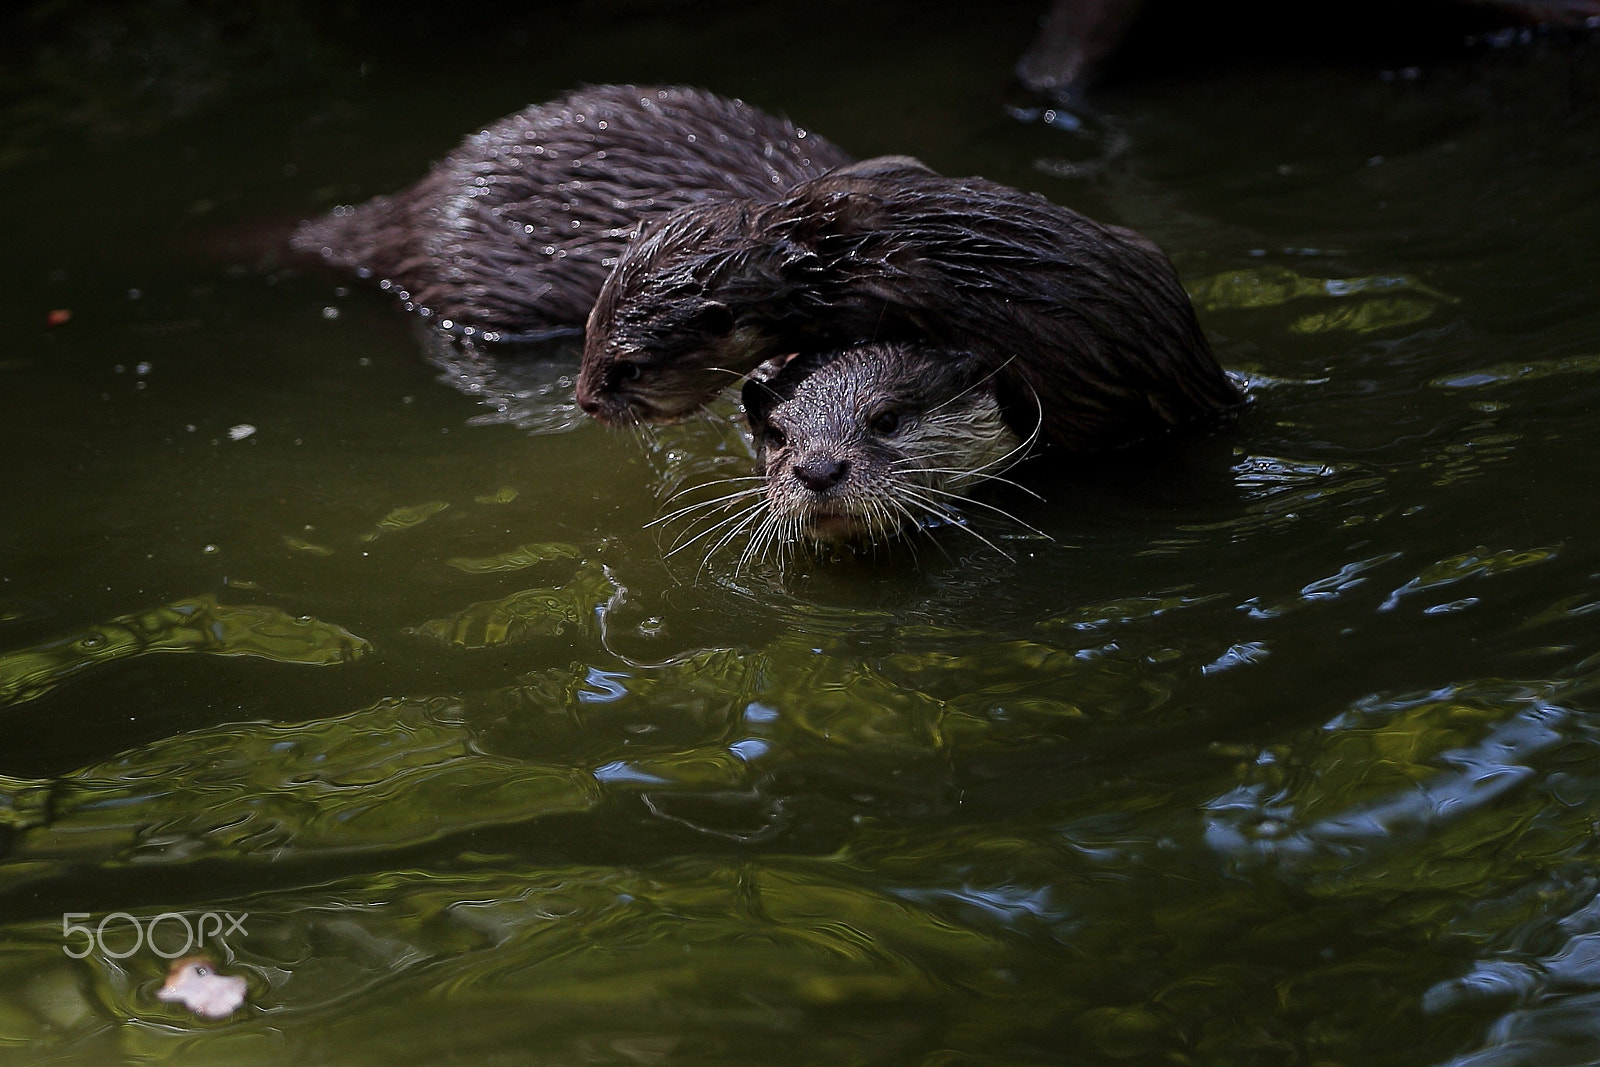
[516, 229]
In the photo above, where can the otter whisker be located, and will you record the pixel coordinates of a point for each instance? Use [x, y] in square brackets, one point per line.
[732, 372]
[1002, 512]
[714, 527]
[913, 520]
[957, 522]
[985, 380]
[963, 476]
[703, 504]
[723, 481]
[645, 434]
[698, 525]
[702, 525]
[759, 540]
[750, 517]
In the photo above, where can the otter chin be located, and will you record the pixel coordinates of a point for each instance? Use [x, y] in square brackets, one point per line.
[825, 525]
[1090, 337]
[870, 443]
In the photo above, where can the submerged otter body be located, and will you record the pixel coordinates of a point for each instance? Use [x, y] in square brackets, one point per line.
[1091, 338]
[871, 442]
[514, 232]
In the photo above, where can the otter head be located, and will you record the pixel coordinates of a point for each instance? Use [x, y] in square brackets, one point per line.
[873, 441]
[712, 289]
[661, 340]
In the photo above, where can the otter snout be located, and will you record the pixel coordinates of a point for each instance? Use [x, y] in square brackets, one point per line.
[820, 473]
[599, 405]
[601, 390]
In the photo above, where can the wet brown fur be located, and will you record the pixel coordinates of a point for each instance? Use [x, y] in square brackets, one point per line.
[515, 231]
[1091, 337]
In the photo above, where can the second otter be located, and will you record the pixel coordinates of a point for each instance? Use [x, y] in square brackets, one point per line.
[1089, 333]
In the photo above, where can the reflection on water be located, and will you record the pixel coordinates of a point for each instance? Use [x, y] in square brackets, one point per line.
[529, 388]
[1278, 748]
[198, 624]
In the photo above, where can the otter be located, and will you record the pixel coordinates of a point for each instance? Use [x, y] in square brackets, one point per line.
[870, 442]
[858, 447]
[510, 236]
[1093, 341]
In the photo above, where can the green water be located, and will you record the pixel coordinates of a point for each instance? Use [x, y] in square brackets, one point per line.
[1280, 749]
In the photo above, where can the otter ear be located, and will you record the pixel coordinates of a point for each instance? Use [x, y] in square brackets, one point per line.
[882, 167]
[772, 383]
[759, 398]
[712, 318]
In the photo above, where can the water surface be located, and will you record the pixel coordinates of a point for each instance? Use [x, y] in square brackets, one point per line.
[1277, 749]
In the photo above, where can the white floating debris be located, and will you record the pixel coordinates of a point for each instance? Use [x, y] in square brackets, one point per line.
[240, 432]
[195, 983]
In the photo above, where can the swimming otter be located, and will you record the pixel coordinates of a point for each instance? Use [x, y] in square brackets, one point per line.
[513, 233]
[1091, 336]
[864, 444]
[857, 446]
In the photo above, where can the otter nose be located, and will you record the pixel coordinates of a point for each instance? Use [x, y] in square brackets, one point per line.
[819, 473]
[589, 404]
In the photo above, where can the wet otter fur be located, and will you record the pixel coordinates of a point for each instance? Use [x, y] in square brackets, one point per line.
[858, 447]
[513, 233]
[868, 443]
[1092, 340]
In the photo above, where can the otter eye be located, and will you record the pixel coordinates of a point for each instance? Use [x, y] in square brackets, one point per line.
[624, 370]
[886, 422]
[775, 437]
